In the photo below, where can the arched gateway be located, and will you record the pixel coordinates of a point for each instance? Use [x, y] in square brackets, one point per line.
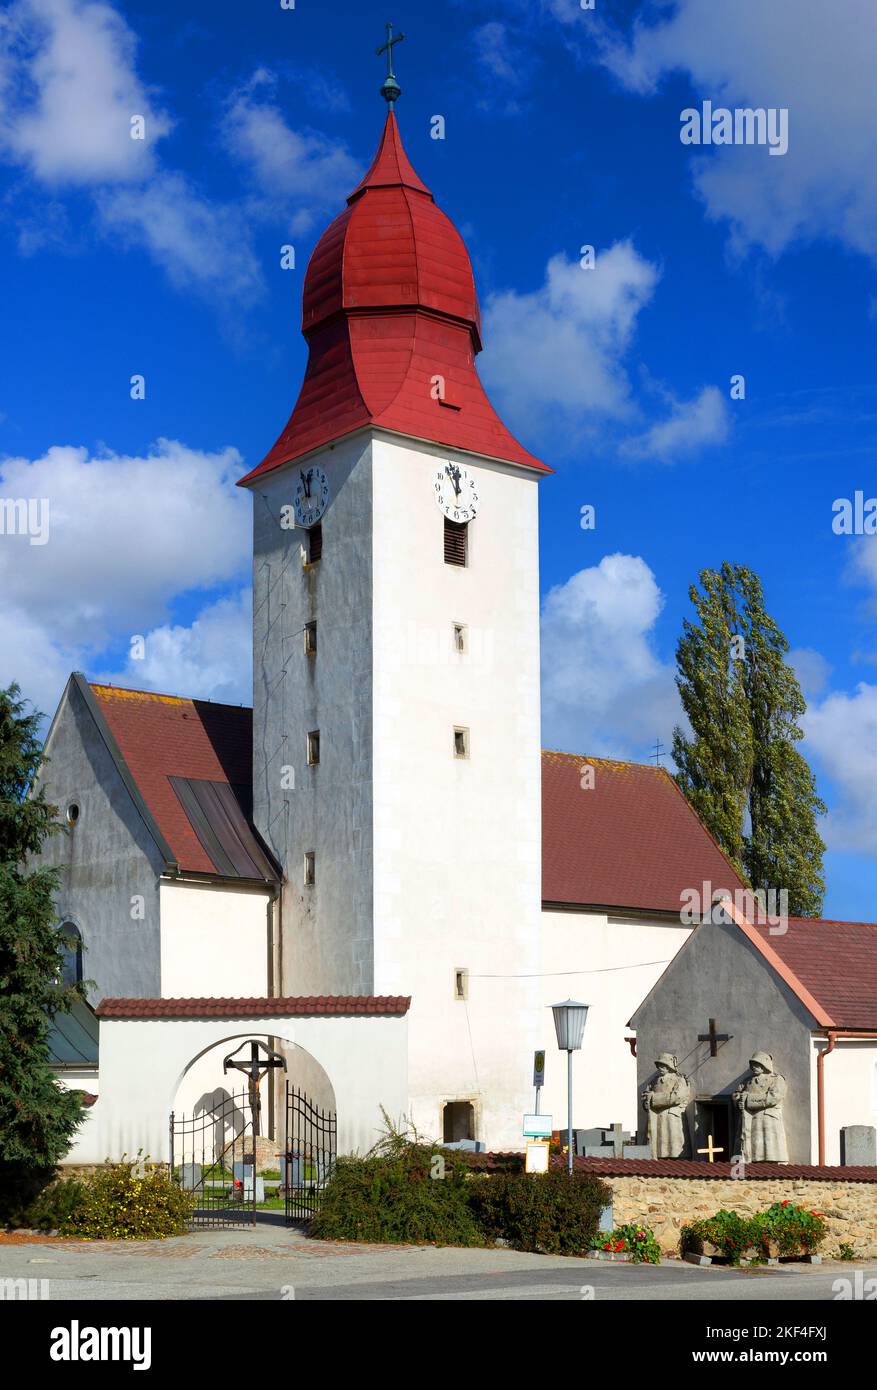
[329, 1056]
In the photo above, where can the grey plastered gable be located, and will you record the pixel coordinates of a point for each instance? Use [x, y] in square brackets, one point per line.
[719, 973]
[110, 857]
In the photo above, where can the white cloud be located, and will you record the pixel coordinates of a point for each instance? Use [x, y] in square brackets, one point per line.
[211, 659]
[817, 61]
[304, 172]
[842, 733]
[605, 691]
[68, 90]
[126, 535]
[567, 341]
[690, 426]
[201, 245]
[812, 670]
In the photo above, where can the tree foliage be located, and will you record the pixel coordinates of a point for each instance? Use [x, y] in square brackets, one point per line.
[37, 1118]
[741, 768]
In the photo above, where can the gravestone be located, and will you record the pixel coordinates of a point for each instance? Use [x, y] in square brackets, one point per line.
[858, 1146]
[246, 1174]
[611, 1142]
[190, 1176]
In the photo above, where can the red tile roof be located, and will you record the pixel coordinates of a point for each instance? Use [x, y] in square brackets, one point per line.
[295, 1007]
[164, 736]
[389, 303]
[835, 962]
[691, 1168]
[632, 840]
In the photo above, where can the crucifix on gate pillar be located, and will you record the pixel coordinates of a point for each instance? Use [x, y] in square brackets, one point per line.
[255, 1067]
[714, 1038]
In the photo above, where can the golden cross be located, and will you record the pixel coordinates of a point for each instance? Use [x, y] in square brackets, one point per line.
[711, 1150]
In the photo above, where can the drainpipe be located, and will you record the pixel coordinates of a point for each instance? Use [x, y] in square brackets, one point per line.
[820, 1093]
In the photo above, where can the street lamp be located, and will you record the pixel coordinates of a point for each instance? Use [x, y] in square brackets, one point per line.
[569, 1024]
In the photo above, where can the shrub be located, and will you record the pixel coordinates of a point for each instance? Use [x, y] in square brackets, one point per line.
[408, 1193]
[728, 1231]
[846, 1251]
[129, 1201]
[791, 1229]
[546, 1213]
[20, 1186]
[637, 1241]
[57, 1205]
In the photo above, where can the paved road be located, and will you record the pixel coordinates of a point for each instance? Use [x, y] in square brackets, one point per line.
[272, 1263]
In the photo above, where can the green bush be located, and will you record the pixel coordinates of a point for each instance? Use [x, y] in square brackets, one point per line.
[410, 1193]
[728, 1231]
[637, 1241]
[130, 1200]
[57, 1205]
[790, 1229]
[546, 1213]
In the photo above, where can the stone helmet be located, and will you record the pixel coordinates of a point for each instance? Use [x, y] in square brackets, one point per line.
[763, 1059]
[667, 1059]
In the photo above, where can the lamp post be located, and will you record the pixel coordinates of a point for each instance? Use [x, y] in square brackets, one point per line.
[569, 1024]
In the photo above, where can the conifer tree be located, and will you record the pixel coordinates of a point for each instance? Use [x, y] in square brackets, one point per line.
[37, 1118]
[741, 769]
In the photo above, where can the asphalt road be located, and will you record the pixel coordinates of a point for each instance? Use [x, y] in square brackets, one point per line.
[275, 1264]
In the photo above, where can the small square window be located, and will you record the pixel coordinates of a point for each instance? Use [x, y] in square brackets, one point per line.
[310, 635]
[310, 869]
[461, 743]
[461, 638]
[461, 984]
[313, 747]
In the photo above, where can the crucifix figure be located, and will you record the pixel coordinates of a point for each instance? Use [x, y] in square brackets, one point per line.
[714, 1038]
[390, 89]
[254, 1068]
[711, 1150]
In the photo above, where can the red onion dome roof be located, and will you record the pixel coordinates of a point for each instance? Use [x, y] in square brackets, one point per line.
[389, 305]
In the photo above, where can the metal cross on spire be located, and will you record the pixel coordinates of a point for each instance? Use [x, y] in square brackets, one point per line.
[390, 89]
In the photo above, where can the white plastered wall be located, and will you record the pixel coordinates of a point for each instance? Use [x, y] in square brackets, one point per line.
[457, 842]
[609, 963]
[214, 941]
[850, 1073]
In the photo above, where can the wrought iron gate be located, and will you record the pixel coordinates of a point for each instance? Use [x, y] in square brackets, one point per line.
[309, 1154]
[212, 1155]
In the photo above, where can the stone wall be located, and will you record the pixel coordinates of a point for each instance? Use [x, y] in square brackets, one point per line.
[667, 1204]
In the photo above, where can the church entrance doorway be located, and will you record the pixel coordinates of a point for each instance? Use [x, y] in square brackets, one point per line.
[213, 1156]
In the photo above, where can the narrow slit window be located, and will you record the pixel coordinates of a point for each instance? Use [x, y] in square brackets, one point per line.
[461, 743]
[461, 984]
[456, 542]
[310, 869]
[461, 638]
[310, 633]
[313, 747]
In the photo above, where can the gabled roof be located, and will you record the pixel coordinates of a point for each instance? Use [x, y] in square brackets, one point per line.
[188, 764]
[830, 966]
[631, 840]
[296, 1006]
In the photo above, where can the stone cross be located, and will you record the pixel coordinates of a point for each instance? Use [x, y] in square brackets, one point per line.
[616, 1139]
[711, 1150]
[713, 1038]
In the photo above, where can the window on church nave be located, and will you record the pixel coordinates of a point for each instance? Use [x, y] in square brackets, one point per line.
[71, 969]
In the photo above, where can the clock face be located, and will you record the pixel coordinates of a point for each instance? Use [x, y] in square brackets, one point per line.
[311, 495]
[456, 493]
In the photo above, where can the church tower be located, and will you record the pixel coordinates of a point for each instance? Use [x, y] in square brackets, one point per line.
[396, 737]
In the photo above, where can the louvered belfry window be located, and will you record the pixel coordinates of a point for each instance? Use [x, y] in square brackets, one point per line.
[456, 537]
[315, 543]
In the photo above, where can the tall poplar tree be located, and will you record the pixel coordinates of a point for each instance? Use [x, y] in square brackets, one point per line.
[741, 769]
[37, 1118]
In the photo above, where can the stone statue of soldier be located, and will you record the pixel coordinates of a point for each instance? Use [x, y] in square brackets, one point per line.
[762, 1132]
[665, 1104]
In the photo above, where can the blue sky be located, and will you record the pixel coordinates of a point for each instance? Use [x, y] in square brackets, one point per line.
[162, 257]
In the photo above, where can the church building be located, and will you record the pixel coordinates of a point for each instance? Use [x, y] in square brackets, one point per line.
[378, 871]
